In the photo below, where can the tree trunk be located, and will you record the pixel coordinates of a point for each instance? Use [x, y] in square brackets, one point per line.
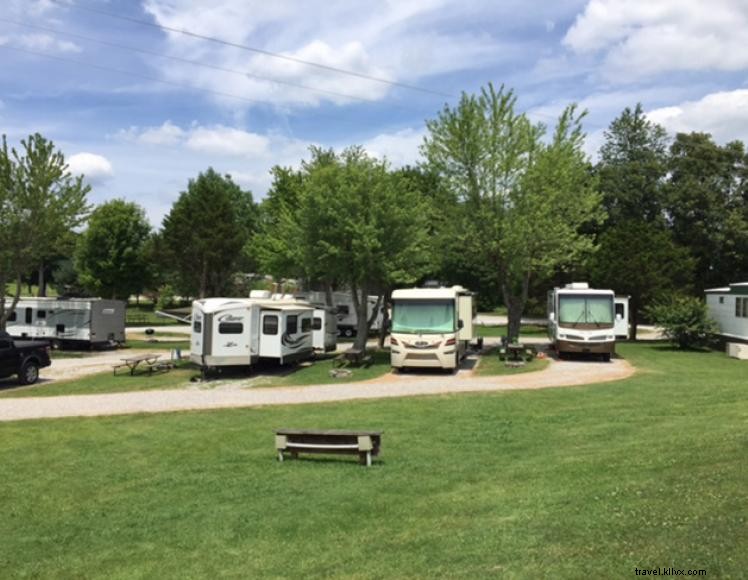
[384, 329]
[42, 281]
[515, 306]
[328, 295]
[362, 317]
[6, 311]
[203, 278]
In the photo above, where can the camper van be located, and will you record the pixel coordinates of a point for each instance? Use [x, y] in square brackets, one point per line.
[70, 322]
[345, 312]
[582, 320]
[431, 327]
[241, 331]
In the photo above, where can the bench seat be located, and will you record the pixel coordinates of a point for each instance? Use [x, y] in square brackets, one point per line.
[365, 444]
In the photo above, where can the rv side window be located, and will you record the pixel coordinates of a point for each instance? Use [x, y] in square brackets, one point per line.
[343, 309]
[28, 316]
[306, 324]
[230, 328]
[619, 310]
[270, 325]
[292, 324]
[197, 326]
[317, 323]
[41, 314]
[12, 317]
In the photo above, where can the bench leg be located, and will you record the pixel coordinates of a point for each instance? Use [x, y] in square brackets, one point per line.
[368, 459]
[280, 456]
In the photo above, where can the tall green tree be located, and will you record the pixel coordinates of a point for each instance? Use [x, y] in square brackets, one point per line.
[525, 198]
[204, 234]
[56, 200]
[707, 205]
[110, 253]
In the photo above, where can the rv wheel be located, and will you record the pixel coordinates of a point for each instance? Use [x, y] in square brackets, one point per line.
[29, 373]
[55, 344]
[348, 332]
[606, 357]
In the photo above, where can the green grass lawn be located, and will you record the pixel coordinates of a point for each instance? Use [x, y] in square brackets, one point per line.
[577, 482]
[183, 345]
[530, 330]
[145, 315]
[490, 365]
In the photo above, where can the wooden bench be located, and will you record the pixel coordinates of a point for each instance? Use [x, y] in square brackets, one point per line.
[352, 356]
[365, 444]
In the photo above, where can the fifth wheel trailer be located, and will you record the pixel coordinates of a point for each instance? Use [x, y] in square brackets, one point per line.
[582, 320]
[342, 303]
[69, 321]
[431, 327]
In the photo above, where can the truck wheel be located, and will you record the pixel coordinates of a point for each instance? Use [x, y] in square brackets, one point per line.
[29, 373]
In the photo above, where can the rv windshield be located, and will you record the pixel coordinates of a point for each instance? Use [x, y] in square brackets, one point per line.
[423, 317]
[579, 309]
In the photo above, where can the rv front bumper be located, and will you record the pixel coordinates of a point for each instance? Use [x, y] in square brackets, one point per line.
[602, 347]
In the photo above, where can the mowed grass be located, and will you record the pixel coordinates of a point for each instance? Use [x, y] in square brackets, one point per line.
[577, 482]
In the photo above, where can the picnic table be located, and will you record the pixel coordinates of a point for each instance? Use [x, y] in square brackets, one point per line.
[517, 352]
[149, 362]
[352, 356]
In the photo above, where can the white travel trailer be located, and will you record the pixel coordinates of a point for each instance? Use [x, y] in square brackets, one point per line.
[431, 327]
[241, 331]
[582, 320]
[69, 321]
[342, 303]
[728, 307]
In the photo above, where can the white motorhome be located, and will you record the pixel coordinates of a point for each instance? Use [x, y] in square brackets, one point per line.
[342, 303]
[431, 327]
[241, 331]
[69, 321]
[582, 320]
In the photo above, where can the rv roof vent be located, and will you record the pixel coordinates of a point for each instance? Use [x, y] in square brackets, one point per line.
[259, 294]
[578, 286]
[432, 284]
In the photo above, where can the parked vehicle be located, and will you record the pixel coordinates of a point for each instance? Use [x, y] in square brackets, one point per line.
[241, 331]
[342, 303]
[431, 327]
[69, 321]
[23, 358]
[582, 320]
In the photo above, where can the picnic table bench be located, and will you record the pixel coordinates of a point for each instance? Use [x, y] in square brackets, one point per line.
[517, 352]
[148, 362]
[352, 356]
[365, 444]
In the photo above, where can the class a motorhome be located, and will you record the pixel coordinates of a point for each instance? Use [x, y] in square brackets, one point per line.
[431, 327]
[241, 331]
[69, 322]
[582, 320]
[345, 311]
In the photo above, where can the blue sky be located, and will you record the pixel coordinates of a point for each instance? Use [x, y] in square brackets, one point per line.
[142, 136]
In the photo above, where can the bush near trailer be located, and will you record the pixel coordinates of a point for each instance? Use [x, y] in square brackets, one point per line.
[684, 320]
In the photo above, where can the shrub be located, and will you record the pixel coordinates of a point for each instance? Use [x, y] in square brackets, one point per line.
[684, 320]
[165, 297]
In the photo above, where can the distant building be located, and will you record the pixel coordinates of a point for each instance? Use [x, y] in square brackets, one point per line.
[729, 308]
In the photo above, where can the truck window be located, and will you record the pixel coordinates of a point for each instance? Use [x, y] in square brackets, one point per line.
[270, 324]
[292, 324]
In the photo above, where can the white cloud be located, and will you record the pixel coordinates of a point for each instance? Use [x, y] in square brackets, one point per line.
[400, 148]
[226, 141]
[166, 134]
[96, 168]
[640, 38]
[46, 42]
[723, 114]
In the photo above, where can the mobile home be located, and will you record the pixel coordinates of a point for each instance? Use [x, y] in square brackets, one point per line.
[728, 307]
[345, 312]
[69, 321]
[431, 327]
[241, 331]
[582, 320]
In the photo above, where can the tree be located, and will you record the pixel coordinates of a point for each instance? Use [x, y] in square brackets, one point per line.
[204, 233]
[110, 256]
[525, 198]
[707, 206]
[640, 259]
[55, 200]
[684, 320]
[632, 168]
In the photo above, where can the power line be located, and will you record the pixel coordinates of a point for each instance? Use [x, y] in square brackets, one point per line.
[185, 60]
[252, 49]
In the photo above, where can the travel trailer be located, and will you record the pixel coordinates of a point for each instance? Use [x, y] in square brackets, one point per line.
[728, 307]
[241, 331]
[582, 320]
[345, 310]
[69, 321]
[431, 327]
[621, 326]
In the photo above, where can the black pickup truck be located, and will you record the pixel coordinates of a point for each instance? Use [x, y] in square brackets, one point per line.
[23, 358]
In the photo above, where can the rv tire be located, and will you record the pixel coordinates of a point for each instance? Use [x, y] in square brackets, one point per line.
[29, 373]
[606, 357]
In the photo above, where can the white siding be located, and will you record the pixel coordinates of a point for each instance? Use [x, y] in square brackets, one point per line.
[724, 314]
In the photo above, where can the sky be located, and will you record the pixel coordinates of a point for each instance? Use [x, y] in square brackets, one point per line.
[140, 102]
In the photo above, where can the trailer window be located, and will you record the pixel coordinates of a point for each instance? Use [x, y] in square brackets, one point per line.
[197, 326]
[12, 317]
[28, 316]
[306, 324]
[585, 310]
[619, 310]
[270, 324]
[230, 328]
[415, 316]
[741, 307]
[343, 309]
[41, 314]
[317, 323]
[292, 324]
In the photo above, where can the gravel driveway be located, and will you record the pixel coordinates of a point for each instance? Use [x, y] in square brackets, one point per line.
[557, 374]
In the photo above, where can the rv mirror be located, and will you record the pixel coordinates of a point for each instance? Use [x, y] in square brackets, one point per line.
[460, 324]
